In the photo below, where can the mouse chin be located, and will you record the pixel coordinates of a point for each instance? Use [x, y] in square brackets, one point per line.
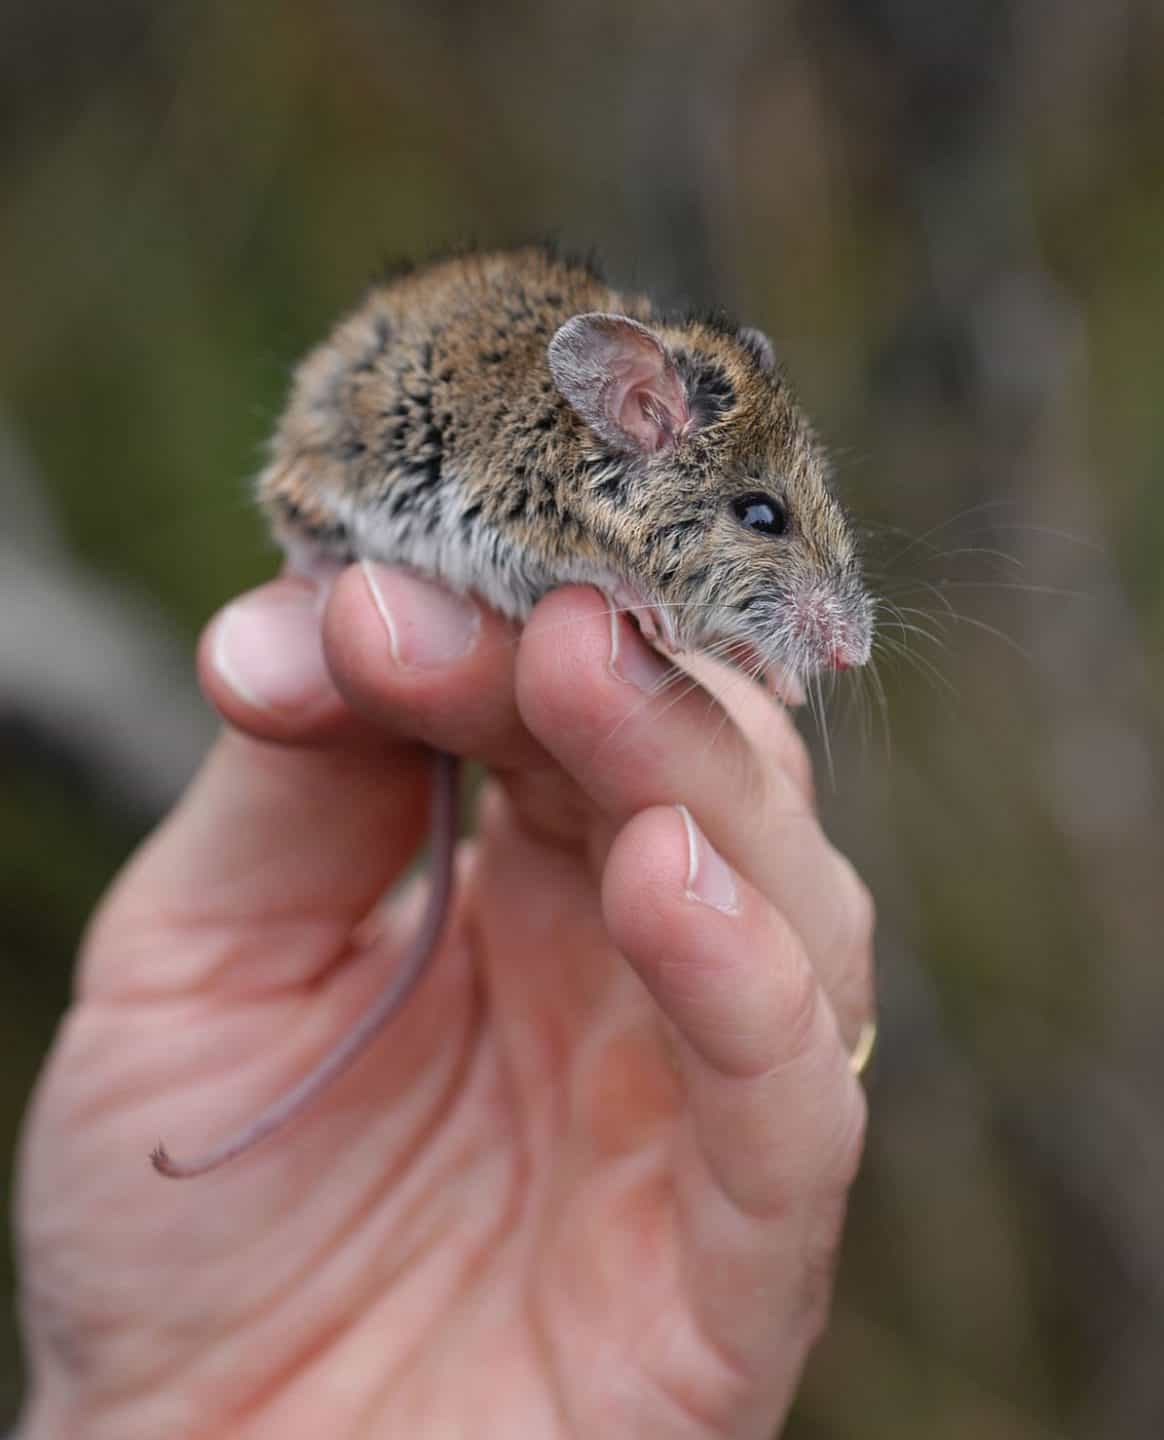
[656, 622]
[776, 675]
[786, 678]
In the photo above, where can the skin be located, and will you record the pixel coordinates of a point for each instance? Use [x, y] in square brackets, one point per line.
[590, 1183]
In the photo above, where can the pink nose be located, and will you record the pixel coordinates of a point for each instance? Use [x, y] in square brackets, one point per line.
[838, 662]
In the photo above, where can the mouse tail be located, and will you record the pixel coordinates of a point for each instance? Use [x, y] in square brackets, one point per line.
[443, 831]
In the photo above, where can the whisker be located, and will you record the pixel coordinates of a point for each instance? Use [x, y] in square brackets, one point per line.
[883, 705]
[635, 711]
[1052, 533]
[921, 664]
[939, 595]
[1023, 527]
[1055, 590]
[906, 627]
[988, 552]
[896, 616]
[824, 730]
[958, 618]
[945, 524]
[674, 680]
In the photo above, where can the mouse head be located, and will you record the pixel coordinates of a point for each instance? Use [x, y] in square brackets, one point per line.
[705, 482]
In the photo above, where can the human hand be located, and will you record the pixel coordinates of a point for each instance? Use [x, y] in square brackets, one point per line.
[590, 1182]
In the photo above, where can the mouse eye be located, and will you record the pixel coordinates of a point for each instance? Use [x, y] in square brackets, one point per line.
[762, 513]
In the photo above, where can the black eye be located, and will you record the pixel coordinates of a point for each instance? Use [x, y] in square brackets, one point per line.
[762, 513]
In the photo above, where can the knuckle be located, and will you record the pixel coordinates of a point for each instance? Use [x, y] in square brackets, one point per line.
[796, 1005]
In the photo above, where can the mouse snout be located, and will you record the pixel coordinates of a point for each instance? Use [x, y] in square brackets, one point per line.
[850, 647]
[833, 630]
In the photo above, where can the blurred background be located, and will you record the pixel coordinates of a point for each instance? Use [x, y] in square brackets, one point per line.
[951, 219]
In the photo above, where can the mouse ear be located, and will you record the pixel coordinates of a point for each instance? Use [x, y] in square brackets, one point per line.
[760, 348]
[618, 376]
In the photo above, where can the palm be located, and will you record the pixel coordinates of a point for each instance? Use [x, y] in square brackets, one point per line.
[496, 1223]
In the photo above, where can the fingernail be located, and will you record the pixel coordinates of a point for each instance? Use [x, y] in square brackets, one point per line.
[632, 659]
[709, 877]
[428, 626]
[267, 648]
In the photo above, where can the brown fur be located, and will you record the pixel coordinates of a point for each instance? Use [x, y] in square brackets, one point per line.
[432, 409]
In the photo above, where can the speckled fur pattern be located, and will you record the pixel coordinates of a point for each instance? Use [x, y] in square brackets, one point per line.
[428, 431]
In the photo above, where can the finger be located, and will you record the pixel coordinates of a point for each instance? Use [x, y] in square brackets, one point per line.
[763, 717]
[776, 1118]
[419, 661]
[612, 712]
[275, 852]
[261, 664]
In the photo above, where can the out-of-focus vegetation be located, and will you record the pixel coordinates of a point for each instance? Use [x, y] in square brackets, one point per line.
[951, 217]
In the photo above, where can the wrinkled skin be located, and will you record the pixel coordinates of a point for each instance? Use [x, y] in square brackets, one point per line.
[590, 1183]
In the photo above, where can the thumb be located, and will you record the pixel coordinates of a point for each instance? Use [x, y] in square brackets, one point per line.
[275, 851]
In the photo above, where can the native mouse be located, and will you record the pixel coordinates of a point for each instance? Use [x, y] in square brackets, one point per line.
[507, 423]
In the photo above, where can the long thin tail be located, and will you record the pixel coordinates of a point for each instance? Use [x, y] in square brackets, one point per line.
[443, 832]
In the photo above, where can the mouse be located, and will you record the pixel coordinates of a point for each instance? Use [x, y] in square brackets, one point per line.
[506, 423]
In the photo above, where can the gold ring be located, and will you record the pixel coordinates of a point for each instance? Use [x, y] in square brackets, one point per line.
[863, 1049]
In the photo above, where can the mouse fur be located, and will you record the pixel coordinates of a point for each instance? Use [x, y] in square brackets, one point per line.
[460, 422]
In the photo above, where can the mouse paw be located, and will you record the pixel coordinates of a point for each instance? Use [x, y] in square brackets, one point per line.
[654, 619]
